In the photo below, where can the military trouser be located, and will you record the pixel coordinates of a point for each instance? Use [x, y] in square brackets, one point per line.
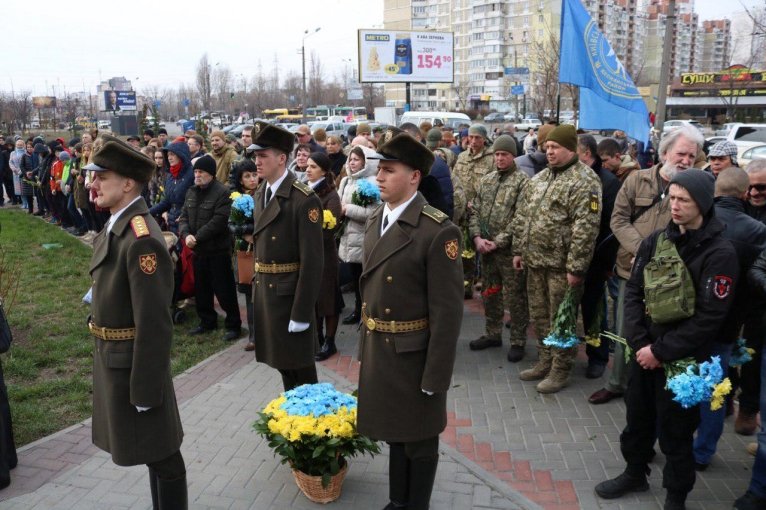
[545, 292]
[504, 285]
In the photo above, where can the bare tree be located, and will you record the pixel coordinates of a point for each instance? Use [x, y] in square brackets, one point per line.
[20, 108]
[223, 85]
[203, 82]
[316, 81]
[461, 89]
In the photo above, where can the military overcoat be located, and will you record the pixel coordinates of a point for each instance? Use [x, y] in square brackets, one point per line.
[133, 287]
[287, 231]
[414, 271]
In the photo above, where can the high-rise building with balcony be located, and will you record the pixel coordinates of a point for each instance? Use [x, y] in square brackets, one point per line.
[715, 37]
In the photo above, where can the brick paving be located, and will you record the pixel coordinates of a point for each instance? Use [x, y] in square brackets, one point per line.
[505, 446]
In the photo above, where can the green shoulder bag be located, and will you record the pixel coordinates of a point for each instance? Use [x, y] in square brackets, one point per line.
[668, 286]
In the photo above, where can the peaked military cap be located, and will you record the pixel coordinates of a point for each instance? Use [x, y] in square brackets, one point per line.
[268, 136]
[398, 145]
[122, 158]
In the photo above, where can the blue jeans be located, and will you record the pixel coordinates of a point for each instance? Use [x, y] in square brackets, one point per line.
[758, 480]
[711, 422]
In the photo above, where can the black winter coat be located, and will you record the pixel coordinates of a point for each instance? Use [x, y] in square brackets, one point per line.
[605, 253]
[748, 236]
[710, 260]
[440, 172]
[205, 215]
[757, 275]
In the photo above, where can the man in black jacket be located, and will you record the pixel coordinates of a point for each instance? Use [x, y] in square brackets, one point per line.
[203, 224]
[604, 256]
[748, 236]
[651, 412]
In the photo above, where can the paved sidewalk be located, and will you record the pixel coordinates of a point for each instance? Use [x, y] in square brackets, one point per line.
[506, 446]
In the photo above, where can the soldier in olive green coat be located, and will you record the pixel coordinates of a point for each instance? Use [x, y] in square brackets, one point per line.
[489, 227]
[289, 258]
[135, 416]
[554, 233]
[411, 286]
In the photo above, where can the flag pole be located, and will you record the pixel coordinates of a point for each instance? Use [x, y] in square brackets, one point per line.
[662, 93]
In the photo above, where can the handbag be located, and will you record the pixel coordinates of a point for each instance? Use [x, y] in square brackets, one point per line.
[245, 266]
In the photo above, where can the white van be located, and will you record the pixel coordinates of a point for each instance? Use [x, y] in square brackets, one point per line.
[452, 119]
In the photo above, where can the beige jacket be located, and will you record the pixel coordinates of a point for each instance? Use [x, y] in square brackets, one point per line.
[637, 193]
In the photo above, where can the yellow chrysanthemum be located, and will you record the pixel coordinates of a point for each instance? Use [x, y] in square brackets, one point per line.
[719, 392]
[235, 195]
[594, 340]
[328, 220]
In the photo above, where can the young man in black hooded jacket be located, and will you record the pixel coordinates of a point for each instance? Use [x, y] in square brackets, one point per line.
[651, 411]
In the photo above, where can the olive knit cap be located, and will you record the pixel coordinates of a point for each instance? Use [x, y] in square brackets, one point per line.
[505, 143]
[564, 135]
[478, 129]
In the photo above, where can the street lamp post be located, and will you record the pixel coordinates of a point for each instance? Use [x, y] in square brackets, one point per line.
[306, 34]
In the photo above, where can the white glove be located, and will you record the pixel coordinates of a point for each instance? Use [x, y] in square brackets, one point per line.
[429, 393]
[141, 409]
[297, 327]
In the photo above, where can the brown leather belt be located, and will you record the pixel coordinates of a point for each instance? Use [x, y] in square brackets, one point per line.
[393, 326]
[112, 334]
[273, 268]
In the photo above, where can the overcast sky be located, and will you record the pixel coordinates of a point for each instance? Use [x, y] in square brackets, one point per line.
[74, 45]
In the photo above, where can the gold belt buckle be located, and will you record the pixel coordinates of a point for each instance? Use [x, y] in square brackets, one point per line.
[370, 324]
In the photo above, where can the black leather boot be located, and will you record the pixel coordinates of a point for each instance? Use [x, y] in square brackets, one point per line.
[422, 476]
[629, 481]
[327, 350]
[172, 494]
[153, 488]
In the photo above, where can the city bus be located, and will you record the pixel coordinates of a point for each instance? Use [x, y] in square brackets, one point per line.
[351, 113]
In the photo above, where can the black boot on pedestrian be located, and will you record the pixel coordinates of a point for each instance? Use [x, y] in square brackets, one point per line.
[172, 494]
[674, 501]
[516, 353]
[623, 484]
[328, 349]
[352, 318]
[153, 488]
[422, 476]
[749, 501]
[484, 342]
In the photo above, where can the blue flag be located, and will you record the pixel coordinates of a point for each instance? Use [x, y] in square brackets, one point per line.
[608, 97]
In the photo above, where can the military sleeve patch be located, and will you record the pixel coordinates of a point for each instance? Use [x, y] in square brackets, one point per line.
[451, 248]
[148, 263]
[594, 205]
[313, 215]
[721, 286]
[140, 229]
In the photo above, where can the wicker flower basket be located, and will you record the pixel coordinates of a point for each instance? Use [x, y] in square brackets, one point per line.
[311, 486]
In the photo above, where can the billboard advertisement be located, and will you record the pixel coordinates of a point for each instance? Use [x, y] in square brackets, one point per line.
[405, 56]
[119, 100]
[44, 102]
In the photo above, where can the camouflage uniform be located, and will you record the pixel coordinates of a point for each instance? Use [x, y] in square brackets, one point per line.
[555, 231]
[469, 169]
[493, 208]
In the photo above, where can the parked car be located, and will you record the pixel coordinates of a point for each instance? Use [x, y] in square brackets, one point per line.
[745, 155]
[181, 122]
[494, 117]
[230, 127]
[104, 124]
[724, 130]
[528, 123]
[670, 125]
[747, 135]
[237, 130]
[339, 129]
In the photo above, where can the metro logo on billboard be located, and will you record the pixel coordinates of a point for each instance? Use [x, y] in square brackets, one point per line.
[404, 56]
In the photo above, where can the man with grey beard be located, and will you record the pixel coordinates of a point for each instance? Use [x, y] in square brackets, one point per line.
[641, 207]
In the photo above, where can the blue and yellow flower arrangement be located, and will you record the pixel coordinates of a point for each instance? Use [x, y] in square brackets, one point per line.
[313, 428]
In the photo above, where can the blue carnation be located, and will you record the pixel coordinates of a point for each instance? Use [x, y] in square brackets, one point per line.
[560, 342]
[368, 190]
[244, 203]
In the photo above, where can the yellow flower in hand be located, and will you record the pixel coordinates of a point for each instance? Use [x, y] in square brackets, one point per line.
[719, 392]
[235, 195]
[328, 220]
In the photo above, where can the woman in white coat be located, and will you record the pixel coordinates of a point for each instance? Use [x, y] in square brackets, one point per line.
[359, 167]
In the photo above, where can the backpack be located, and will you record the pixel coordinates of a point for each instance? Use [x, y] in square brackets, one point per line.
[668, 287]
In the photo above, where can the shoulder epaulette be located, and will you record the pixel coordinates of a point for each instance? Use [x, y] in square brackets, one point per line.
[434, 213]
[138, 224]
[303, 187]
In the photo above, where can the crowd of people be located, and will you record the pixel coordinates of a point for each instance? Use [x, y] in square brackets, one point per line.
[553, 213]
